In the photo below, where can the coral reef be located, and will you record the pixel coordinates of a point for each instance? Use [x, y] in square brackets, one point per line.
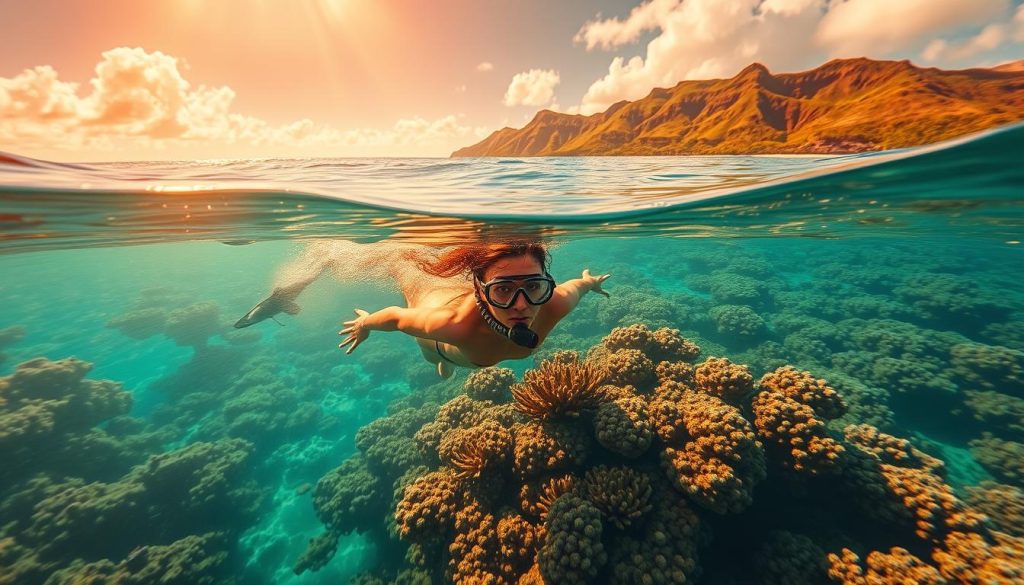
[724, 379]
[1003, 459]
[492, 384]
[623, 426]
[559, 389]
[572, 551]
[1003, 504]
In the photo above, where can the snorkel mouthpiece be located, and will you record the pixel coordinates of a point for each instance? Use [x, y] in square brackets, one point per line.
[519, 334]
[522, 335]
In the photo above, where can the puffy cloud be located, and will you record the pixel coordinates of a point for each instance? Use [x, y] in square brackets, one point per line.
[485, 66]
[701, 39]
[535, 87]
[859, 27]
[989, 38]
[612, 32]
[140, 100]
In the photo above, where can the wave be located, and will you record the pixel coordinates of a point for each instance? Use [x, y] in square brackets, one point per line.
[973, 181]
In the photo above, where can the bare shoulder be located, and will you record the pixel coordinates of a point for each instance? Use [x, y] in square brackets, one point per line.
[561, 303]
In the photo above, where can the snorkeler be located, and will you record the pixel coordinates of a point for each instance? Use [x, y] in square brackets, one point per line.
[506, 312]
[471, 306]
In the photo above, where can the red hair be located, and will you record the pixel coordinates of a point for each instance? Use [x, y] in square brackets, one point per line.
[475, 259]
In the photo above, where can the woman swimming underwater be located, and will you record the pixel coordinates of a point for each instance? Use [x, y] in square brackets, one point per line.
[471, 306]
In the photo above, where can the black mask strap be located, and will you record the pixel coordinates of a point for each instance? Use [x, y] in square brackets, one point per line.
[519, 334]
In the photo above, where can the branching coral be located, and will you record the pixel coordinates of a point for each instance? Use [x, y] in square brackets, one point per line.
[536, 496]
[490, 384]
[558, 389]
[622, 494]
[724, 379]
[624, 426]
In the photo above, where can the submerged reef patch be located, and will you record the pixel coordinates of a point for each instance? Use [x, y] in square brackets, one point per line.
[634, 466]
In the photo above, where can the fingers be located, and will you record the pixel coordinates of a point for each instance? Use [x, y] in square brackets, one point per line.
[354, 346]
[361, 312]
[346, 330]
[347, 341]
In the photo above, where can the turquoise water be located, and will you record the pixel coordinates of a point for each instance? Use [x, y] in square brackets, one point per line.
[895, 277]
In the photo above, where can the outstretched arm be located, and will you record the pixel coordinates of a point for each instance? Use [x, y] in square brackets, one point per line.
[425, 323]
[568, 294]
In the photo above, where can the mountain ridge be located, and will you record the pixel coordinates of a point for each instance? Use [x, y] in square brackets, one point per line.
[842, 106]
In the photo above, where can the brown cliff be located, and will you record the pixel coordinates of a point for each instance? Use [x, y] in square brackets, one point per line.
[845, 105]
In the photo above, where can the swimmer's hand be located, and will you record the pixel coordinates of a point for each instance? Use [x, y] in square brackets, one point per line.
[356, 330]
[594, 282]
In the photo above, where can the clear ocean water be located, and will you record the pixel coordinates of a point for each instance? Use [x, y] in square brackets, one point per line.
[216, 453]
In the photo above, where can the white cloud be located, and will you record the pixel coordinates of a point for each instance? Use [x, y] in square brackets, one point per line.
[990, 37]
[701, 39]
[535, 87]
[859, 27]
[612, 32]
[140, 100]
[485, 66]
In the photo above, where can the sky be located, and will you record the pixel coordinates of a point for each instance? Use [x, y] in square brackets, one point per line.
[107, 80]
